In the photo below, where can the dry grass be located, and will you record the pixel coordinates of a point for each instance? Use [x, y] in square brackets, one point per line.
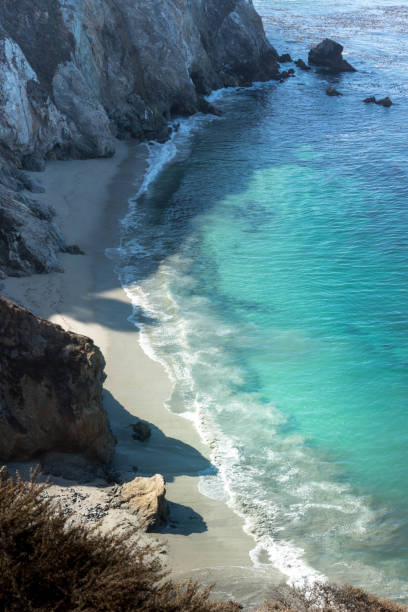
[48, 564]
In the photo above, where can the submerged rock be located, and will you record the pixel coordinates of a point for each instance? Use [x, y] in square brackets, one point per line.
[384, 102]
[387, 102]
[301, 64]
[50, 390]
[283, 59]
[145, 497]
[329, 54]
[331, 91]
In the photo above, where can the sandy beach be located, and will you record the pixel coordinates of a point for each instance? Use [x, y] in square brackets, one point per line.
[205, 539]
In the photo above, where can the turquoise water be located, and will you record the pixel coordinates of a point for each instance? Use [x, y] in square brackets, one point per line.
[267, 262]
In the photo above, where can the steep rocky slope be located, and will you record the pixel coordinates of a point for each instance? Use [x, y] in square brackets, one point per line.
[76, 74]
[50, 390]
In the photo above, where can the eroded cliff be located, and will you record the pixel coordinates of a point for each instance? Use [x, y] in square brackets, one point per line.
[76, 74]
[50, 390]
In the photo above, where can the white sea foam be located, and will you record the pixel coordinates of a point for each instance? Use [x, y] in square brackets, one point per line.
[197, 365]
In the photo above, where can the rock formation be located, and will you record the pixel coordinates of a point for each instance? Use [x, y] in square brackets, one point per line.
[386, 102]
[29, 238]
[75, 75]
[301, 64]
[329, 54]
[332, 91]
[50, 390]
[145, 497]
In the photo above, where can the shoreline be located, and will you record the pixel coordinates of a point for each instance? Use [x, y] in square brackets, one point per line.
[205, 538]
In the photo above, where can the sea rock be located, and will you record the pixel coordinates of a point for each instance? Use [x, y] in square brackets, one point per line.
[329, 54]
[370, 100]
[331, 91]
[284, 58]
[50, 390]
[384, 102]
[145, 497]
[301, 64]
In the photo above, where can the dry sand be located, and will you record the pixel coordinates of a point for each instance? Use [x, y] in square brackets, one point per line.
[205, 538]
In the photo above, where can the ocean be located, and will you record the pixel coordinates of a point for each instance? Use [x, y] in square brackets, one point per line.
[266, 257]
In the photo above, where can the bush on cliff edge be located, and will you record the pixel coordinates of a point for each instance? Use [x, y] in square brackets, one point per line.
[46, 563]
[49, 564]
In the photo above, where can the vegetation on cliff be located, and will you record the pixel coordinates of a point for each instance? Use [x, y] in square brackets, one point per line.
[48, 563]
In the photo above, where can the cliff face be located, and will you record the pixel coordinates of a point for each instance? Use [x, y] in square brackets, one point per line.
[76, 74]
[50, 390]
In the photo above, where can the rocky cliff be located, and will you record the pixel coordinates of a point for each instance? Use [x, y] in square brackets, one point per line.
[50, 390]
[76, 74]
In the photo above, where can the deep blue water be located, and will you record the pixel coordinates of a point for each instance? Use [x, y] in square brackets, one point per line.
[270, 254]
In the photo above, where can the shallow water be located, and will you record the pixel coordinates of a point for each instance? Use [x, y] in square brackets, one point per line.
[267, 264]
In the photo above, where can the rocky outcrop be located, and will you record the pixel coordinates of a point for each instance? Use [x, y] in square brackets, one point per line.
[301, 64]
[329, 54]
[145, 497]
[29, 239]
[333, 92]
[76, 75]
[386, 102]
[50, 390]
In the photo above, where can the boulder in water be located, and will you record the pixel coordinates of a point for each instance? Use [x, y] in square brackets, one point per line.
[331, 91]
[301, 64]
[285, 58]
[384, 102]
[329, 54]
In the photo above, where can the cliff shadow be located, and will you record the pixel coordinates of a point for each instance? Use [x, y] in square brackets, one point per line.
[158, 454]
[183, 520]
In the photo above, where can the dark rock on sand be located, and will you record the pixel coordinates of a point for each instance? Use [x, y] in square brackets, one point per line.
[50, 390]
[331, 91]
[329, 54]
[141, 431]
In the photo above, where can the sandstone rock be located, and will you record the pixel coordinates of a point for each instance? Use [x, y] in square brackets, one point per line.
[145, 497]
[50, 390]
[384, 102]
[331, 91]
[301, 64]
[329, 54]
